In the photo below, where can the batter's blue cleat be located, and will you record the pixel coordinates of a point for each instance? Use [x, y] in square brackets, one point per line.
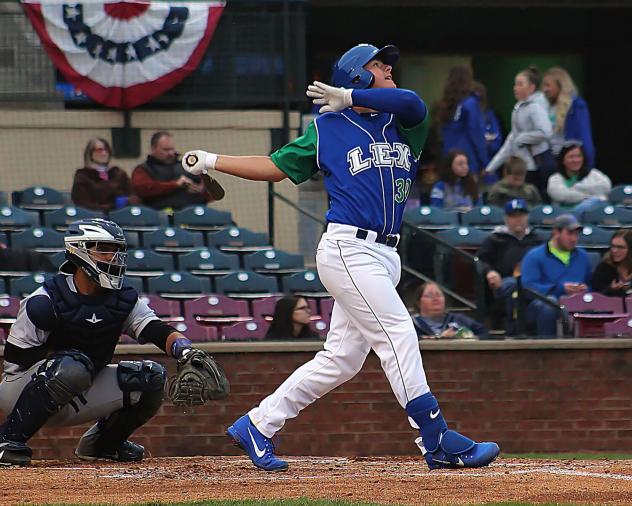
[456, 451]
[258, 447]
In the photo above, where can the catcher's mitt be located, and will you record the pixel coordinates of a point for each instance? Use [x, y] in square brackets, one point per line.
[199, 379]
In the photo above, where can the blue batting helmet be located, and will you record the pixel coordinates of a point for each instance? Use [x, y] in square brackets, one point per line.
[349, 71]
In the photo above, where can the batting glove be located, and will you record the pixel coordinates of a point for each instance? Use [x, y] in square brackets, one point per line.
[198, 162]
[332, 99]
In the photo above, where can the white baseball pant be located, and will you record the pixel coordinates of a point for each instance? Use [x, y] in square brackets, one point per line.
[368, 315]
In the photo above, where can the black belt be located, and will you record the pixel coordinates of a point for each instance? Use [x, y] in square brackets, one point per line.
[387, 239]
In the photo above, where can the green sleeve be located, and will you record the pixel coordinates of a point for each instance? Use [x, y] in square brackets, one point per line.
[298, 158]
[416, 136]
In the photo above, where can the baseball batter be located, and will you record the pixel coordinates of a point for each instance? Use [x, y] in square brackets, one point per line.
[56, 359]
[367, 143]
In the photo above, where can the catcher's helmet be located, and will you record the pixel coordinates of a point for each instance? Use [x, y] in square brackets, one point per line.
[349, 71]
[88, 242]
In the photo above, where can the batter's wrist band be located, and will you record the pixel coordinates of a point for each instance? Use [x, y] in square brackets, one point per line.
[210, 161]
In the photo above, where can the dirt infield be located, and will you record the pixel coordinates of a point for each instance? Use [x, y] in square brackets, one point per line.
[393, 480]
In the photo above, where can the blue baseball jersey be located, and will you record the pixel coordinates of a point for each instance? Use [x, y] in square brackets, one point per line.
[369, 162]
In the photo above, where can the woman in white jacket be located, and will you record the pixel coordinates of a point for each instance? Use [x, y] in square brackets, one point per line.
[575, 185]
[530, 134]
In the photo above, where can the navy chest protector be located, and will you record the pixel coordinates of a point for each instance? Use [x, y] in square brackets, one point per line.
[90, 324]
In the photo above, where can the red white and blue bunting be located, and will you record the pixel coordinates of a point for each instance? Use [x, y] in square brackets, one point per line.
[124, 54]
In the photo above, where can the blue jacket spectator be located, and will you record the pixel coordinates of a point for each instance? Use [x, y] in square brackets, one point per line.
[433, 321]
[457, 187]
[461, 118]
[568, 113]
[491, 123]
[553, 269]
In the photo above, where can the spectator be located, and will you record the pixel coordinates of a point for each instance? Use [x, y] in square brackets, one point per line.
[98, 185]
[513, 185]
[24, 260]
[502, 252]
[457, 187]
[493, 132]
[161, 182]
[433, 322]
[556, 268]
[613, 275]
[568, 112]
[530, 133]
[576, 186]
[291, 319]
[461, 119]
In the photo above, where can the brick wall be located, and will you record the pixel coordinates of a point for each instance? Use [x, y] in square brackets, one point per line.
[527, 399]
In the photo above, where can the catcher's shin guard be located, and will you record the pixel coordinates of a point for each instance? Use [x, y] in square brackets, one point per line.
[108, 437]
[442, 447]
[58, 380]
[259, 448]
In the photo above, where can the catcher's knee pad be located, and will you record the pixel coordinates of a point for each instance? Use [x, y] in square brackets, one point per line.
[65, 375]
[146, 377]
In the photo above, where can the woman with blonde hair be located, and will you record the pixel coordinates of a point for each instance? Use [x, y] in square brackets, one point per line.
[98, 185]
[568, 112]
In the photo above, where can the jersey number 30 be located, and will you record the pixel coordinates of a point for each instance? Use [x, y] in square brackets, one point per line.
[402, 188]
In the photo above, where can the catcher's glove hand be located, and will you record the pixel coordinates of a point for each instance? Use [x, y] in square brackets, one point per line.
[199, 379]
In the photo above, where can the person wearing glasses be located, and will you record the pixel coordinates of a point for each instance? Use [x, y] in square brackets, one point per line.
[576, 186]
[613, 274]
[99, 185]
[292, 315]
[434, 322]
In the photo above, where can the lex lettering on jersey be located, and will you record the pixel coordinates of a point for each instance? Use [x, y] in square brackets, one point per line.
[381, 154]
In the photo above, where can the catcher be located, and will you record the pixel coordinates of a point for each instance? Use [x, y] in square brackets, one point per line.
[57, 367]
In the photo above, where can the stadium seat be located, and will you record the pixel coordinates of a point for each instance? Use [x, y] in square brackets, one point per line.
[238, 240]
[38, 198]
[202, 218]
[273, 262]
[173, 240]
[595, 258]
[43, 240]
[305, 283]
[21, 287]
[621, 327]
[3, 198]
[608, 216]
[621, 195]
[139, 218]
[59, 219]
[592, 237]
[432, 218]
[14, 219]
[589, 312]
[9, 306]
[132, 239]
[181, 285]
[542, 216]
[217, 309]
[463, 237]
[326, 308]
[246, 331]
[483, 217]
[148, 263]
[165, 309]
[208, 262]
[3, 238]
[320, 326]
[263, 309]
[3, 287]
[135, 283]
[195, 331]
[246, 284]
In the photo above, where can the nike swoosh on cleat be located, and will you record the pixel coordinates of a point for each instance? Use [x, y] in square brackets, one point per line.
[260, 453]
[434, 415]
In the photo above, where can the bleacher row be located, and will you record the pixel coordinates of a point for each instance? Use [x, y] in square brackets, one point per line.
[211, 317]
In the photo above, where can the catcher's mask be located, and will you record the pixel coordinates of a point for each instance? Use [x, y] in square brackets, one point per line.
[98, 247]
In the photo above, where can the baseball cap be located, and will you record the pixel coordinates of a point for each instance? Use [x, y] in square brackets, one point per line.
[566, 222]
[516, 206]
